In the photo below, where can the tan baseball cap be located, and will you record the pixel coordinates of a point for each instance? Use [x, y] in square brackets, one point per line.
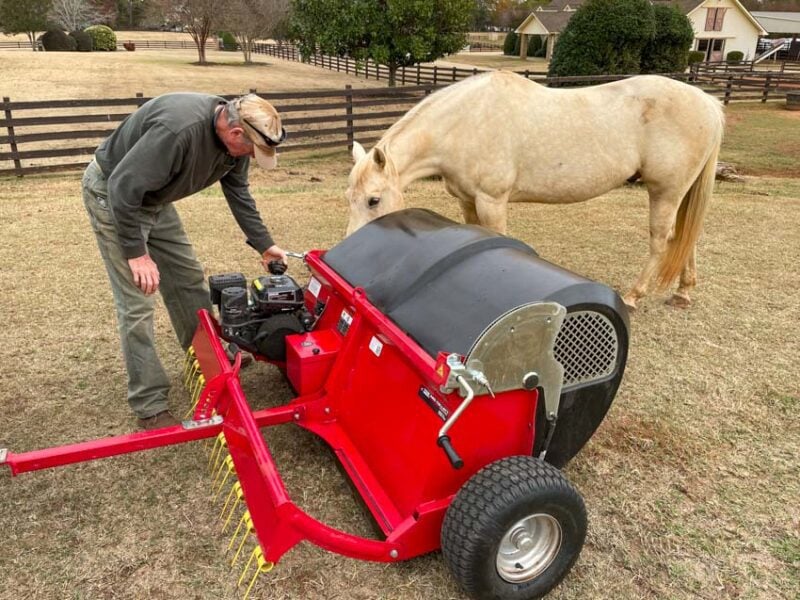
[262, 124]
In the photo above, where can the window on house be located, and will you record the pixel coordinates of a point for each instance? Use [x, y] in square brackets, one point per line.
[714, 17]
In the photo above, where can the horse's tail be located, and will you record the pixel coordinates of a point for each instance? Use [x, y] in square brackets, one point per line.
[692, 211]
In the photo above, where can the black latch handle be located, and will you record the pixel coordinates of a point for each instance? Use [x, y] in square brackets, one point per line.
[452, 455]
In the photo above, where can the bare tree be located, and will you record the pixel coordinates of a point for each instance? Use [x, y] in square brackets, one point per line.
[73, 15]
[252, 20]
[199, 17]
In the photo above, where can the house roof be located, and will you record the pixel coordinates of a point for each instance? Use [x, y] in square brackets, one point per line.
[553, 18]
[559, 5]
[778, 22]
[551, 22]
[686, 6]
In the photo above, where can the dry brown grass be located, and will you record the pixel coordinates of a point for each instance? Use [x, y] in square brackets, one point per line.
[57, 75]
[691, 482]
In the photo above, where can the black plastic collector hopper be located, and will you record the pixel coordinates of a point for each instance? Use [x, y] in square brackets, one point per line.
[444, 283]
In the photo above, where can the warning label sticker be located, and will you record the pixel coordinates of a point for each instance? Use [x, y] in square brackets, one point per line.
[435, 403]
[345, 320]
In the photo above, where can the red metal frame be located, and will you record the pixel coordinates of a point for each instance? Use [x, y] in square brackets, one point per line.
[371, 412]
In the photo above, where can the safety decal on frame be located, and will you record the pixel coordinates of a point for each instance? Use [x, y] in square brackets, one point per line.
[344, 322]
[437, 405]
[376, 346]
[314, 287]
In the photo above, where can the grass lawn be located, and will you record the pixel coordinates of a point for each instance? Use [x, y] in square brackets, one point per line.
[691, 482]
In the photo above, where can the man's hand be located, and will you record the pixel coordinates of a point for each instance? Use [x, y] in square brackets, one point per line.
[145, 273]
[273, 253]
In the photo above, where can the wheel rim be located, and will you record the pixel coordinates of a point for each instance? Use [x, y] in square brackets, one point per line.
[528, 548]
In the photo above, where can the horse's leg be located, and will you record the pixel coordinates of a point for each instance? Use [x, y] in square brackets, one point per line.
[492, 212]
[663, 208]
[469, 211]
[681, 299]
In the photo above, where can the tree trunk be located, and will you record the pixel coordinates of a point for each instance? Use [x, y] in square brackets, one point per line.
[247, 49]
[392, 74]
[32, 39]
[201, 50]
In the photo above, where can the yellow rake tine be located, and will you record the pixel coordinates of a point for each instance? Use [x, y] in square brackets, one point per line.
[262, 566]
[219, 444]
[236, 490]
[249, 529]
[197, 390]
[239, 498]
[219, 462]
[222, 484]
[192, 373]
[228, 462]
[187, 361]
[195, 395]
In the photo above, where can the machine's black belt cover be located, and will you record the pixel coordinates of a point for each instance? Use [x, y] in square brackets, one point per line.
[443, 282]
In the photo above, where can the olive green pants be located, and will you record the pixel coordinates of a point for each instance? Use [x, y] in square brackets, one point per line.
[182, 286]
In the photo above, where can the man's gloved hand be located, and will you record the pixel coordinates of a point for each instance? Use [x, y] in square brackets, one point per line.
[145, 273]
[274, 252]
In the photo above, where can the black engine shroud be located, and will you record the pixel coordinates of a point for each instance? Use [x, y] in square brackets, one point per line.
[259, 318]
[443, 283]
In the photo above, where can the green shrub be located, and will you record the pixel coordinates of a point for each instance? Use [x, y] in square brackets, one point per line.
[735, 56]
[228, 41]
[103, 37]
[83, 40]
[534, 45]
[604, 37]
[55, 40]
[668, 50]
[696, 56]
[511, 42]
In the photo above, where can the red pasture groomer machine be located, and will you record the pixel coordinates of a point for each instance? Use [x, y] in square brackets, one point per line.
[450, 370]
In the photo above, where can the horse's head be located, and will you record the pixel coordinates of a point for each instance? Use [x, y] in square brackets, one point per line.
[373, 187]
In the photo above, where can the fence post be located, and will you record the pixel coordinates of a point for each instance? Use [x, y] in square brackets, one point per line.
[253, 91]
[474, 71]
[11, 139]
[139, 99]
[454, 73]
[728, 88]
[349, 112]
[767, 82]
[435, 74]
[417, 73]
[403, 76]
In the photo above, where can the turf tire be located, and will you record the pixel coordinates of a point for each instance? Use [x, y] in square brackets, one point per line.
[489, 504]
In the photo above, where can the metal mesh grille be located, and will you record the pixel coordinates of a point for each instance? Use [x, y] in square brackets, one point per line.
[586, 347]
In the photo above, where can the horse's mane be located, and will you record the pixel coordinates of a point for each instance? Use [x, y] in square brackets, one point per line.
[428, 104]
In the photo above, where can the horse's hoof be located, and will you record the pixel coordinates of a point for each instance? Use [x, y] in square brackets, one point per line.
[678, 301]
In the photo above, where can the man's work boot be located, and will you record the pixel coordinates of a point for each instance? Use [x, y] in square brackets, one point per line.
[162, 419]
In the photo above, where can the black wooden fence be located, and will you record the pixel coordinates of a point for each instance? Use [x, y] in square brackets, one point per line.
[58, 135]
[211, 44]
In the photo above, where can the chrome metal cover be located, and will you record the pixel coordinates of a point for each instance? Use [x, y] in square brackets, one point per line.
[520, 342]
[587, 347]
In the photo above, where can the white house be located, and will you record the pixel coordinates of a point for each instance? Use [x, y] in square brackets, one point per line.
[720, 26]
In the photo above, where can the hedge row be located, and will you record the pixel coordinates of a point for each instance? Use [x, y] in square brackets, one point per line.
[96, 37]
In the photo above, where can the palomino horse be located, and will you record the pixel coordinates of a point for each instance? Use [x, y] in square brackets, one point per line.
[478, 135]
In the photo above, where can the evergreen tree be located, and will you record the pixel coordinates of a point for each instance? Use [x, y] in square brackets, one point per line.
[24, 16]
[604, 37]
